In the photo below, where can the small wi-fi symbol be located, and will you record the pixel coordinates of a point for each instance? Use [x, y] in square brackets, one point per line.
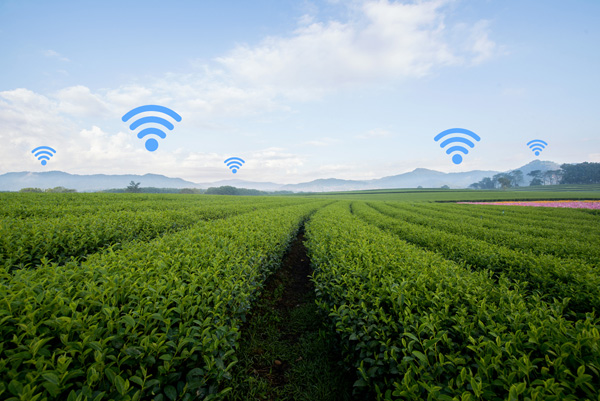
[234, 164]
[43, 153]
[457, 149]
[537, 145]
[151, 143]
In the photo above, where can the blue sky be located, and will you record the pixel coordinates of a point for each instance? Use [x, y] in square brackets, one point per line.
[301, 90]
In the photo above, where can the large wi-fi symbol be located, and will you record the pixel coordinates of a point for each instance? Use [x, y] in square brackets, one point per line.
[537, 145]
[43, 153]
[234, 164]
[151, 143]
[453, 140]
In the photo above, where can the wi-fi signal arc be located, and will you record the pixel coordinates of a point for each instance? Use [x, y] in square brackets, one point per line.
[457, 158]
[234, 164]
[151, 143]
[537, 145]
[151, 119]
[43, 153]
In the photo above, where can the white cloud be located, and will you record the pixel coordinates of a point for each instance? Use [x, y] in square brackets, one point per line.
[26, 116]
[386, 40]
[79, 101]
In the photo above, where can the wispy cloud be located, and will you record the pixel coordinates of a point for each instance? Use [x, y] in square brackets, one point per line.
[55, 55]
[385, 40]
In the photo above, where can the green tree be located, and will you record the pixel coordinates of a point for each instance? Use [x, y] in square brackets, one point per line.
[536, 176]
[516, 178]
[133, 187]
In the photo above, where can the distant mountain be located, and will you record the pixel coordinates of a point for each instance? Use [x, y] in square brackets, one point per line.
[86, 183]
[327, 185]
[431, 179]
[419, 177]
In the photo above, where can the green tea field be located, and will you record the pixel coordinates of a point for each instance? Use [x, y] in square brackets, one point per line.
[363, 296]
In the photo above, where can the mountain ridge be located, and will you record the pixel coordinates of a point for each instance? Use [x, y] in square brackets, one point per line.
[419, 177]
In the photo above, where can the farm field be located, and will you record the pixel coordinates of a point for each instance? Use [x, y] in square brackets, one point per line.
[171, 297]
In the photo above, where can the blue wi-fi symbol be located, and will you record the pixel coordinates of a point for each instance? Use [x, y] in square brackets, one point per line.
[234, 164]
[537, 145]
[43, 153]
[457, 158]
[151, 143]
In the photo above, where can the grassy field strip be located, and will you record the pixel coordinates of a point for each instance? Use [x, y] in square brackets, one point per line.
[24, 205]
[530, 215]
[50, 205]
[552, 276]
[452, 195]
[529, 221]
[24, 242]
[416, 326]
[567, 243]
[156, 320]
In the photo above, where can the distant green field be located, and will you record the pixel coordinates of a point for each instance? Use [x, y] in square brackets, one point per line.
[548, 192]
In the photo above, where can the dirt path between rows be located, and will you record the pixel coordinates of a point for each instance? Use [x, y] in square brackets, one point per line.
[285, 353]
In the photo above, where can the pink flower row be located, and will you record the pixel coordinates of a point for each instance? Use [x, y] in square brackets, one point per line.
[562, 203]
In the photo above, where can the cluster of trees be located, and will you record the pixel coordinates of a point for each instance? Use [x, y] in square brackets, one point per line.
[582, 173]
[229, 190]
[58, 190]
[501, 180]
[548, 177]
[134, 187]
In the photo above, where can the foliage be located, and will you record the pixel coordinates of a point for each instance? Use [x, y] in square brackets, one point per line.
[155, 320]
[416, 326]
[191, 191]
[229, 190]
[133, 187]
[582, 173]
[60, 190]
[143, 297]
[56, 229]
[512, 179]
[572, 281]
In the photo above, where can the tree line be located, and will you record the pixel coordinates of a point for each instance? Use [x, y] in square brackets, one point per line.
[58, 190]
[582, 173]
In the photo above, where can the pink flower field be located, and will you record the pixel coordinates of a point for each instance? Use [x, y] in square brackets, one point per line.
[557, 203]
